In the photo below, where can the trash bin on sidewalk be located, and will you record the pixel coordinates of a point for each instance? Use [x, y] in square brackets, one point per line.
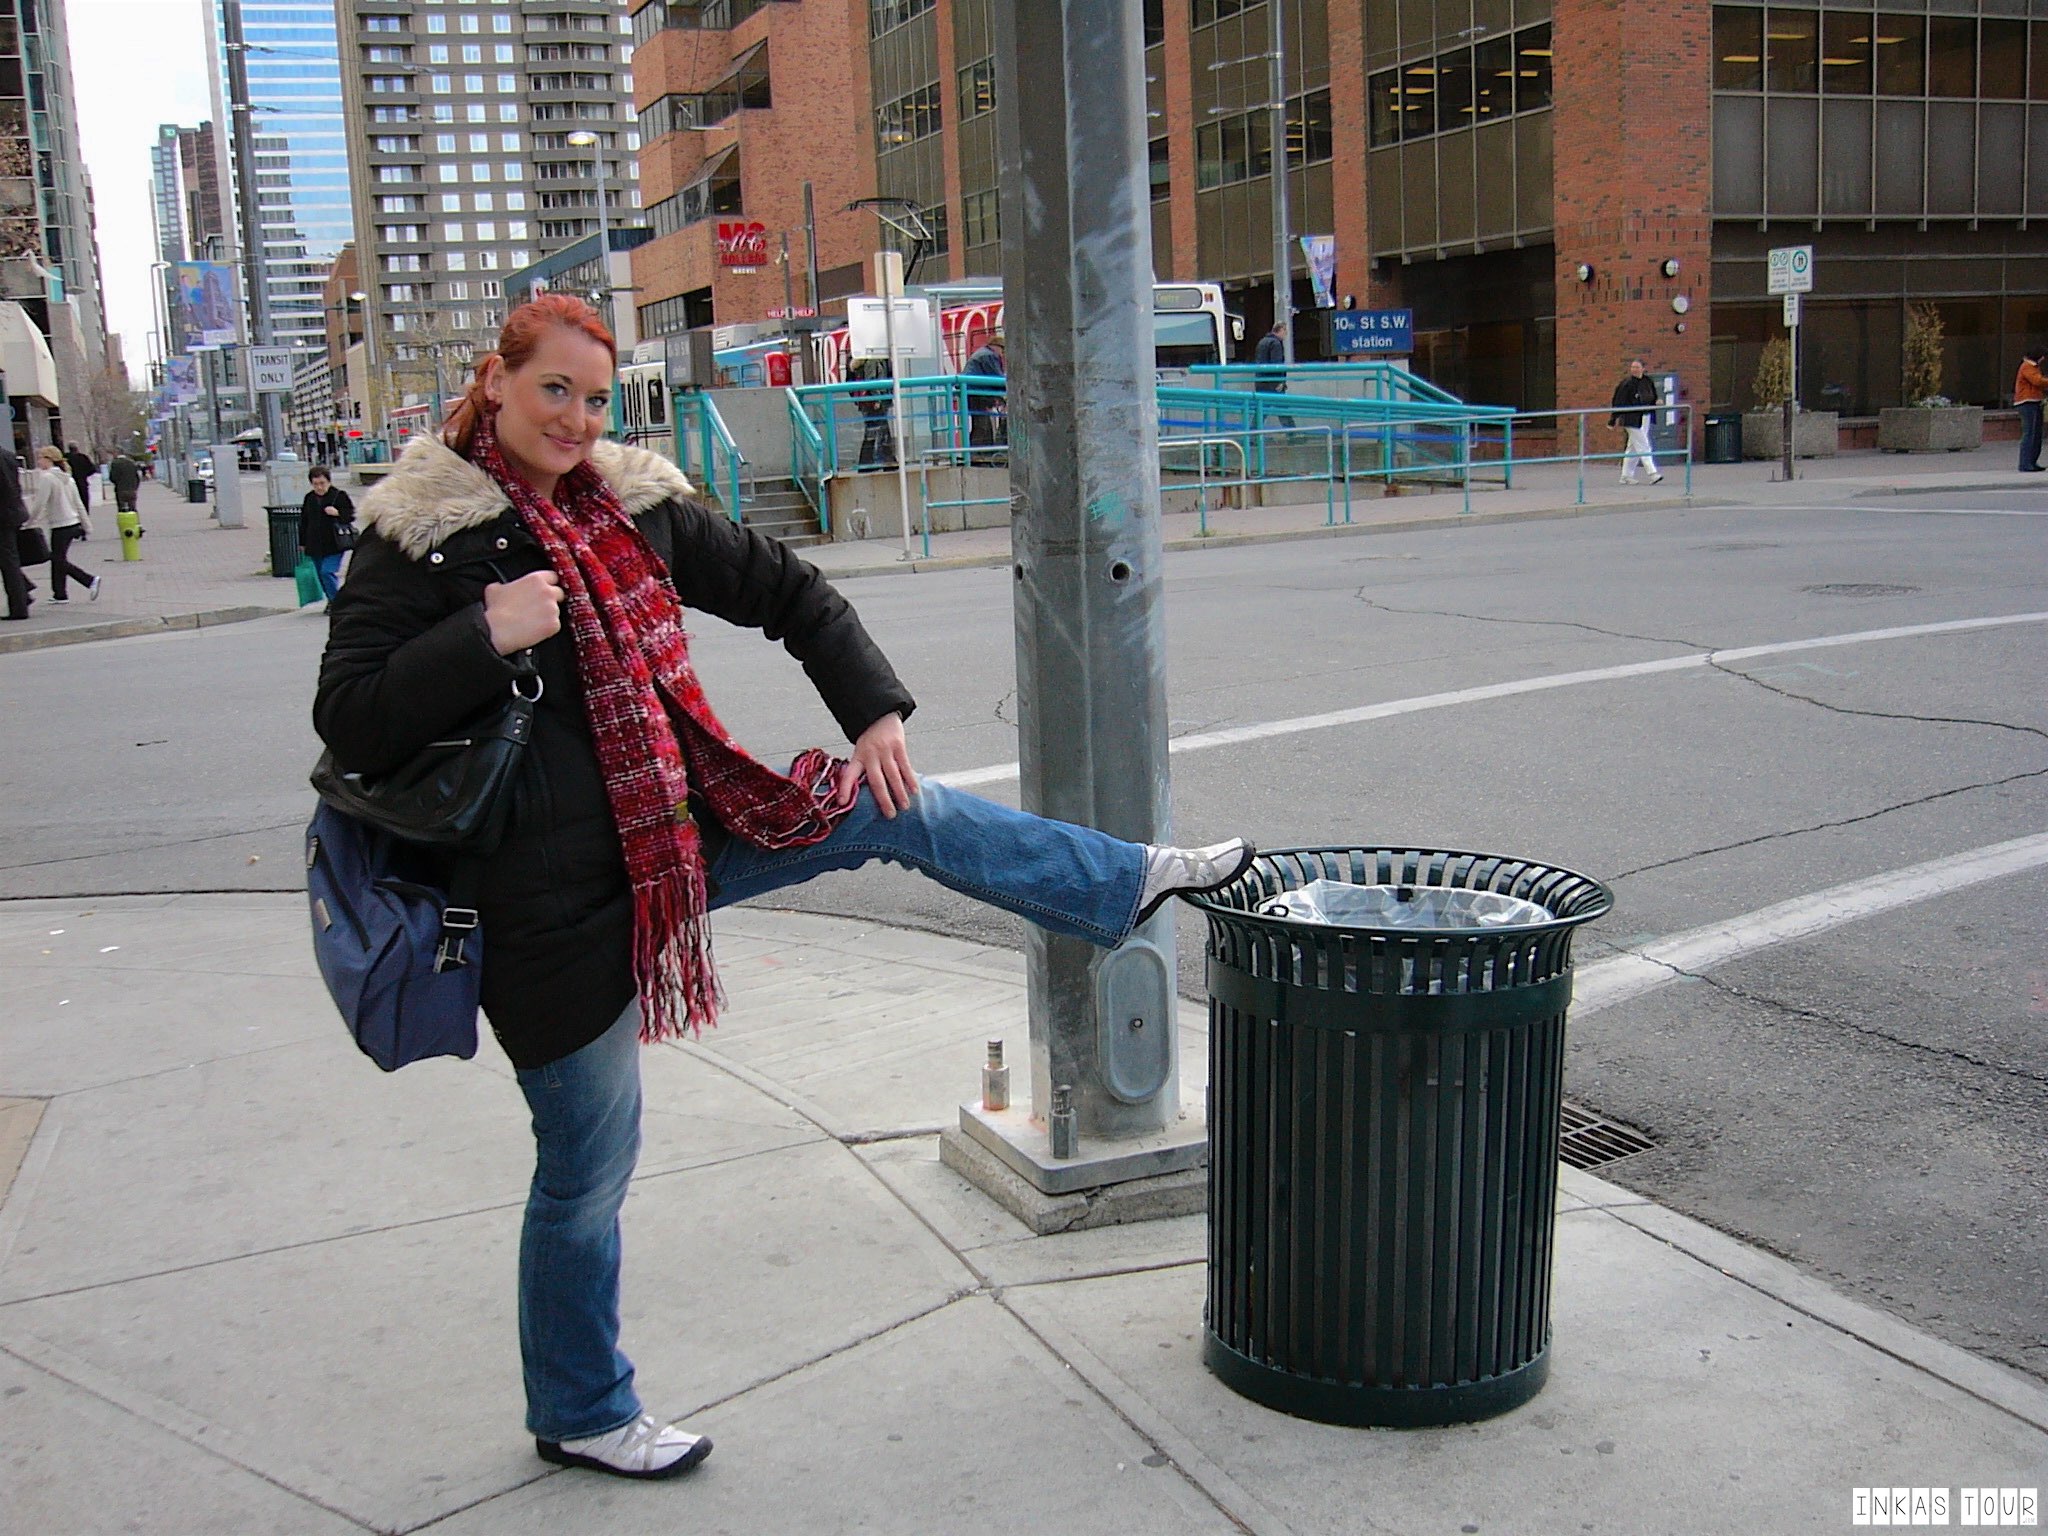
[195, 490]
[1384, 1094]
[1724, 438]
[284, 539]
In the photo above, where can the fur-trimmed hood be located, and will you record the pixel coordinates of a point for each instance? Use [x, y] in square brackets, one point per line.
[433, 493]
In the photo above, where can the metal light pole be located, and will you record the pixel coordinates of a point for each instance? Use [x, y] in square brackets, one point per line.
[1283, 234]
[581, 137]
[369, 357]
[1090, 617]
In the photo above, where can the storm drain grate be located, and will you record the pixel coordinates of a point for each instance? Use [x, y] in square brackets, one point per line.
[1587, 1141]
[1859, 589]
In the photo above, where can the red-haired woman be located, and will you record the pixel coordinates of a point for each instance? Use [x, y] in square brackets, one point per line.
[520, 544]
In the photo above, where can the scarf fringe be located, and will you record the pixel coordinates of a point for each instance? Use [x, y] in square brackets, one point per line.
[672, 965]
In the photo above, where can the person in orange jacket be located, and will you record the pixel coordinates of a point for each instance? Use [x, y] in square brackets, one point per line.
[2027, 391]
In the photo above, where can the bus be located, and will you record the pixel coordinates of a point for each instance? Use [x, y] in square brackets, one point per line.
[1190, 327]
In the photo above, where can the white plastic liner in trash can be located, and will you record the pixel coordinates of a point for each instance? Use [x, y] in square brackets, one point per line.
[1428, 907]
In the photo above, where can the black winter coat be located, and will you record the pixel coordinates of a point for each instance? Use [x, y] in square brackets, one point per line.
[409, 658]
[1632, 391]
[322, 516]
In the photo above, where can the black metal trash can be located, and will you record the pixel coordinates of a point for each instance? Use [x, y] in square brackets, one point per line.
[1724, 438]
[1383, 1138]
[195, 490]
[284, 539]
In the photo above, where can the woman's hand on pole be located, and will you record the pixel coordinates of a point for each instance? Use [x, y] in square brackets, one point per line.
[523, 613]
[881, 760]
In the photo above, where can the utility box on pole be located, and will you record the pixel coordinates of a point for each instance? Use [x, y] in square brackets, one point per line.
[1090, 621]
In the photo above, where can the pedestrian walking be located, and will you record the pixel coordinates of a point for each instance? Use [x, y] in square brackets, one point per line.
[987, 415]
[2028, 388]
[1631, 395]
[327, 527]
[82, 470]
[55, 506]
[877, 442]
[13, 518]
[520, 547]
[1272, 348]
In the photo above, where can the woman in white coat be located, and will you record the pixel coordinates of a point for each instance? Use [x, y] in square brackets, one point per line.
[54, 507]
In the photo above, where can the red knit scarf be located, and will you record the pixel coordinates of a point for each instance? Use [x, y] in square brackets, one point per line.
[656, 736]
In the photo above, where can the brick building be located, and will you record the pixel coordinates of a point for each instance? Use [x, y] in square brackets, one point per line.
[1552, 186]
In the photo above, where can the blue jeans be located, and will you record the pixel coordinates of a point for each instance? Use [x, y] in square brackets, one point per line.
[329, 567]
[586, 1132]
[586, 1106]
[2030, 434]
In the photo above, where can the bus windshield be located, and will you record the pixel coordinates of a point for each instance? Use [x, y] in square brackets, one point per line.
[1185, 339]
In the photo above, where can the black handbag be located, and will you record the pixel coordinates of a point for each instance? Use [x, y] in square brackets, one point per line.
[32, 545]
[453, 793]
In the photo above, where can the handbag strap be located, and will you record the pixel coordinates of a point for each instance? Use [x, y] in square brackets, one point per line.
[459, 920]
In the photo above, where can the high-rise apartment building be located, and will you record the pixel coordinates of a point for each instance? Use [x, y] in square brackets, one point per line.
[49, 259]
[167, 204]
[206, 219]
[300, 151]
[476, 130]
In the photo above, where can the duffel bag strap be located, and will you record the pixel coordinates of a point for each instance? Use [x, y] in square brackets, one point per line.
[459, 921]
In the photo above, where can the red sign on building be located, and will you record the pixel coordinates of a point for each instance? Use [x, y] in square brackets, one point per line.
[742, 243]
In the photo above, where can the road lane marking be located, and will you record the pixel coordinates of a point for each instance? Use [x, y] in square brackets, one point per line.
[1202, 741]
[1604, 983]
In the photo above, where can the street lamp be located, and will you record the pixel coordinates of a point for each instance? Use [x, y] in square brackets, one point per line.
[583, 138]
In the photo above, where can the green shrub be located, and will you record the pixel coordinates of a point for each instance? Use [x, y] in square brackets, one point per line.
[1923, 356]
[1773, 383]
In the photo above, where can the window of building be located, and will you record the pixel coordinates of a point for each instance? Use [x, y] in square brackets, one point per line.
[394, 173]
[715, 189]
[508, 141]
[501, 53]
[507, 84]
[1206, 13]
[501, 23]
[888, 15]
[444, 112]
[451, 202]
[907, 119]
[472, 53]
[437, 53]
[458, 290]
[512, 170]
[469, 24]
[399, 293]
[1846, 67]
[456, 261]
[508, 111]
[488, 260]
[485, 203]
[394, 114]
[522, 258]
[473, 84]
[444, 143]
[977, 91]
[515, 201]
[481, 171]
[383, 24]
[981, 221]
[387, 55]
[479, 143]
[1951, 55]
[492, 289]
[393, 144]
[1450, 90]
[1158, 162]
[441, 85]
[438, 25]
[1791, 50]
[449, 172]
[452, 232]
[477, 112]
[487, 230]
[515, 229]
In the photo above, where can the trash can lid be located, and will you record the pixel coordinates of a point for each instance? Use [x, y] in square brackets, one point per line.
[1434, 907]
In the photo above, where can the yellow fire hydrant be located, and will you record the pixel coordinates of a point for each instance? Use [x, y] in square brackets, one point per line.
[130, 524]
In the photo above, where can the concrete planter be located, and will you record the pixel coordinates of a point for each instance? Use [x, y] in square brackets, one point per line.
[1930, 429]
[1815, 434]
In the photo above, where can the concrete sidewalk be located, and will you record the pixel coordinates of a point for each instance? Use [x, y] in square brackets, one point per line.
[249, 1284]
[194, 572]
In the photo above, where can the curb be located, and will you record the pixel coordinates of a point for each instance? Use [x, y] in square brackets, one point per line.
[2011, 482]
[1681, 502]
[122, 629]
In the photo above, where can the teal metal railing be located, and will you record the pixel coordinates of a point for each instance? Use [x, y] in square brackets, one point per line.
[707, 452]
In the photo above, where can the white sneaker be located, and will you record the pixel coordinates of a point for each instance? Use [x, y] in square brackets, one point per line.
[92, 589]
[1656, 479]
[1178, 871]
[642, 1449]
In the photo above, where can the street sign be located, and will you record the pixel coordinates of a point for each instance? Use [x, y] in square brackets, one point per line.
[270, 370]
[1790, 269]
[801, 312]
[866, 324]
[1791, 309]
[1384, 332]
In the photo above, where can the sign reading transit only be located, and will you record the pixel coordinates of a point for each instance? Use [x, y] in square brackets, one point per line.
[1790, 269]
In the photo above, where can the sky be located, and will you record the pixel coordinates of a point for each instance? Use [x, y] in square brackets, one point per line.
[136, 63]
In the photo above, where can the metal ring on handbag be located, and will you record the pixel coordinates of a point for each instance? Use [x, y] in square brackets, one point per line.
[539, 687]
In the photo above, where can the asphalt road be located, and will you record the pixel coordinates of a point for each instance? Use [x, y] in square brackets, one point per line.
[1870, 1101]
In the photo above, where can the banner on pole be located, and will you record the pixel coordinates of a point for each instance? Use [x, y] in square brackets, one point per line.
[1320, 251]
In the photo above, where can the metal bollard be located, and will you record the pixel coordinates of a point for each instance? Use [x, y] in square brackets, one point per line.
[130, 524]
[1060, 1127]
[995, 1079]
